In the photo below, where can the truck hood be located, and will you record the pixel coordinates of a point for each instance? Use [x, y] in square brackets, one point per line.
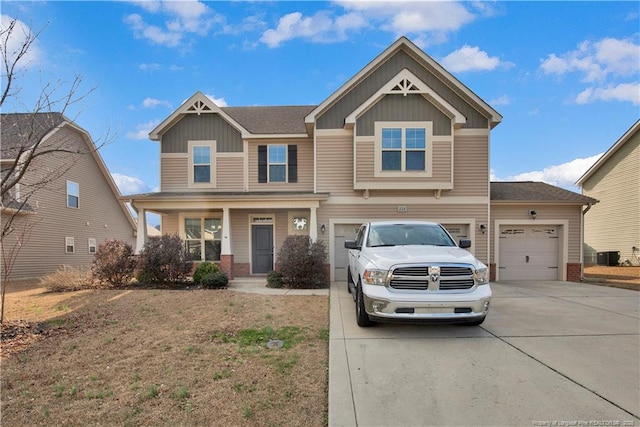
[384, 257]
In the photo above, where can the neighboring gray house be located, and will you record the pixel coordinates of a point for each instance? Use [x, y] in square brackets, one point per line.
[613, 225]
[403, 138]
[79, 207]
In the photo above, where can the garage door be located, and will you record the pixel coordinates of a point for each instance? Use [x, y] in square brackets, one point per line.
[341, 260]
[528, 253]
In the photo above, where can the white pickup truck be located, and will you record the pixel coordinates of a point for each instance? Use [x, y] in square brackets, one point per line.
[414, 271]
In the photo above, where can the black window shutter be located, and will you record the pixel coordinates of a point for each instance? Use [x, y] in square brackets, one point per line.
[262, 163]
[293, 162]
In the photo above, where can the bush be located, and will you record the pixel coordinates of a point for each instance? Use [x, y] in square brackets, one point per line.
[114, 263]
[302, 263]
[67, 279]
[203, 269]
[275, 279]
[164, 260]
[215, 280]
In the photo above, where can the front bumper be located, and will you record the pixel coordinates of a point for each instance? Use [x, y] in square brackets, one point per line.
[426, 306]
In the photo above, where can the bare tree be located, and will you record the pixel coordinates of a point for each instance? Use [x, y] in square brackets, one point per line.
[24, 148]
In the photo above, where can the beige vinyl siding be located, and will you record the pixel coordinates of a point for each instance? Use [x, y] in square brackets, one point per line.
[201, 127]
[229, 176]
[365, 165]
[169, 224]
[613, 224]
[240, 235]
[449, 213]
[471, 166]
[305, 167]
[334, 161]
[546, 213]
[174, 173]
[333, 117]
[99, 215]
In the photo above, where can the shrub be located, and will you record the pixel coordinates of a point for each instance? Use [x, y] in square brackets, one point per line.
[67, 279]
[302, 262]
[275, 279]
[164, 260]
[215, 280]
[114, 263]
[203, 269]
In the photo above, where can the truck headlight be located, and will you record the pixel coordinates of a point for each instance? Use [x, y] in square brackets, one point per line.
[374, 277]
[481, 276]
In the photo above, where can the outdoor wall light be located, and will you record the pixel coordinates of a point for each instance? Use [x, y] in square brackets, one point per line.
[483, 228]
[533, 214]
[323, 228]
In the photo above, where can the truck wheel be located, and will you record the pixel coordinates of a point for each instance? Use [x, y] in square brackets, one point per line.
[362, 318]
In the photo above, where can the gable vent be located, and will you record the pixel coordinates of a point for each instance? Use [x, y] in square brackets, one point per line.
[404, 87]
[199, 107]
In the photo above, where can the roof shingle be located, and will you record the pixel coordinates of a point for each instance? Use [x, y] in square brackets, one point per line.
[535, 192]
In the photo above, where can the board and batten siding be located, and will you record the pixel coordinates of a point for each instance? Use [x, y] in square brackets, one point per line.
[201, 127]
[613, 224]
[410, 108]
[305, 166]
[333, 117]
[546, 214]
[99, 215]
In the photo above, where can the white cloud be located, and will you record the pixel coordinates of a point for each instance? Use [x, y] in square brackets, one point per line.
[623, 92]
[16, 41]
[563, 175]
[502, 100]
[321, 27]
[220, 102]
[179, 19]
[142, 130]
[154, 66]
[130, 185]
[153, 103]
[469, 58]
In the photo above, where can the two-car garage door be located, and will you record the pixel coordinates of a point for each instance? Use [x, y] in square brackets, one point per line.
[528, 252]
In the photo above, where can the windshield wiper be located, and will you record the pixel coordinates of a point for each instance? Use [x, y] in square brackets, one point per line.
[382, 246]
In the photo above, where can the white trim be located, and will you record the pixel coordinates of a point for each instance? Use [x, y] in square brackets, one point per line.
[260, 136]
[422, 185]
[563, 243]
[69, 241]
[91, 240]
[418, 200]
[201, 215]
[213, 167]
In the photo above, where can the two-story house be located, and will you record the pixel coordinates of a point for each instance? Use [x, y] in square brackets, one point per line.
[65, 203]
[403, 138]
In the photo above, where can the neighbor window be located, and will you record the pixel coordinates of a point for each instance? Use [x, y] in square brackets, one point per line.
[69, 243]
[73, 194]
[203, 238]
[403, 149]
[92, 246]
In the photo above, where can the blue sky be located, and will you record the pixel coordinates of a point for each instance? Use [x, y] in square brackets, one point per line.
[565, 75]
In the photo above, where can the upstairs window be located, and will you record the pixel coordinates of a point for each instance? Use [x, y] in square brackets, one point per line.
[201, 163]
[73, 194]
[277, 163]
[403, 149]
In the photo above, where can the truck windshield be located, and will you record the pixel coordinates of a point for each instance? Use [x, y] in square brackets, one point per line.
[408, 234]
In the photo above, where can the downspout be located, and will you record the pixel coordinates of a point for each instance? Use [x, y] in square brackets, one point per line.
[584, 212]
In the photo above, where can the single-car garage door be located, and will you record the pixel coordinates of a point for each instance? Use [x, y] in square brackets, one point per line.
[528, 253]
[341, 259]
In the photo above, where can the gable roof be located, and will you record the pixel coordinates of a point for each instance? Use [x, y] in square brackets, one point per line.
[26, 129]
[610, 152]
[529, 191]
[404, 43]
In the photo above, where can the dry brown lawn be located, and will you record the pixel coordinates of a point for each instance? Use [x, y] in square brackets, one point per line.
[623, 277]
[164, 357]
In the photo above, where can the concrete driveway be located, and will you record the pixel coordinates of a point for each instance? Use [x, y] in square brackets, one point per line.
[549, 354]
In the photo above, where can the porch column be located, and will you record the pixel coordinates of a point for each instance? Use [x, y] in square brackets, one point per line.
[141, 234]
[226, 254]
[313, 224]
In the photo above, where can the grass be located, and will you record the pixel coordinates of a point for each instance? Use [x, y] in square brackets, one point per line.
[137, 359]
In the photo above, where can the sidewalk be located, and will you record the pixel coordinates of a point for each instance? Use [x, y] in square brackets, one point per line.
[258, 285]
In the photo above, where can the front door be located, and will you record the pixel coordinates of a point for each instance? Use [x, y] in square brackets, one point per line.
[262, 248]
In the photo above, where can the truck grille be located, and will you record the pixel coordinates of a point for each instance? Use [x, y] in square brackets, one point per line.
[452, 277]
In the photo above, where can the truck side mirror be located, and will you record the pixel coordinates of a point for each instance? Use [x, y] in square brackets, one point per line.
[351, 244]
[465, 243]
